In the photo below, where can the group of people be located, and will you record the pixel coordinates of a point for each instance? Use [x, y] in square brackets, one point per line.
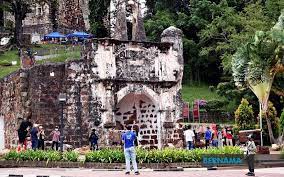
[216, 136]
[37, 135]
[212, 136]
[32, 136]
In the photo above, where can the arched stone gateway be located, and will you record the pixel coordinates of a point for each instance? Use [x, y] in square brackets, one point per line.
[115, 83]
[140, 112]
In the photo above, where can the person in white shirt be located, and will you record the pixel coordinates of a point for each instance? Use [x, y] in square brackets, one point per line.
[250, 152]
[189, 138]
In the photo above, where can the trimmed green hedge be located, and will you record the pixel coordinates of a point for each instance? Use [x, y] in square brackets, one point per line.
[40, 155]
[117, 155]
[158, 156]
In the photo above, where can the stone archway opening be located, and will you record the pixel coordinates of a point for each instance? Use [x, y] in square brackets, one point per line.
[140, 112]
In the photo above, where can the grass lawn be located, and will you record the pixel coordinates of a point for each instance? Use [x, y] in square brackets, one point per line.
[10, 56]
[191, 93]
[62, 57]
[7, 58]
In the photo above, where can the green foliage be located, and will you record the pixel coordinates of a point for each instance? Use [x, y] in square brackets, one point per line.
[282, 122]
[282, 154]
[215, 105]
[244, 116]
[157, 23]
[31, 155]
[98, 13]
[158, 156]
[191, 93]
[70, 156]
[275, 122]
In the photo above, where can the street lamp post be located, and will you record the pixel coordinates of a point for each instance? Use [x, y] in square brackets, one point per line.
[62, 101]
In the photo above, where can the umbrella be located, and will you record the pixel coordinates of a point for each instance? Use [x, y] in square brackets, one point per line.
[54, 35]
[80, 35]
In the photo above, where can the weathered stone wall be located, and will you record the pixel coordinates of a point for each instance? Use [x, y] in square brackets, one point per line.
[12, 105]
[116, 84]
[72, 15]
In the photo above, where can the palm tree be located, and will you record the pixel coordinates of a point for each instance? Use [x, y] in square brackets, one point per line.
[256, 63]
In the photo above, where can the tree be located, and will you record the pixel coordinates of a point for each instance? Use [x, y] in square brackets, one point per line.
[98, 16]
[20, 9]
[257, 62]
[53, 12]
[1, 16]
[244, 116]
[282, 123]
[275, 122]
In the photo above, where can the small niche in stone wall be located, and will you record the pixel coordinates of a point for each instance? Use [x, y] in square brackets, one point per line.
[153, 106]
[142, 115]
[118, 114]
[155, 116]
[124, 117]
[153, 110]
[146, 115]
[151, 115]
[149, 105]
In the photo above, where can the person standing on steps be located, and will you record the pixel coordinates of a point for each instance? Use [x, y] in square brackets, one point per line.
[208, 137]
[55, 138]
[189, 138]
[250, 152]
[94, 140]
[41, 138]
[34, 136]
[128, 139]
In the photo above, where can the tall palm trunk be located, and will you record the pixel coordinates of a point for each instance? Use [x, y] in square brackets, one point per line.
[269, 127]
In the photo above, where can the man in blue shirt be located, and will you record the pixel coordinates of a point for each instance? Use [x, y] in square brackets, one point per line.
[128, 138]
[208, 136]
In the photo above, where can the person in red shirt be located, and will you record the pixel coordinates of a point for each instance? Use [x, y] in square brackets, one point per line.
[229, 137]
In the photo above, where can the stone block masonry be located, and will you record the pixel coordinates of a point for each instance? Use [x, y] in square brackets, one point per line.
[114, 85]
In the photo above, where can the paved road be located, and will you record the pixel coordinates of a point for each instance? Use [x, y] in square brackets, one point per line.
[27, 172]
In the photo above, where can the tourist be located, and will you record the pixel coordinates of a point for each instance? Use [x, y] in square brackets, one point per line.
[23, 132]
[208, 137]
[250, 152]
[55, 138]
[94, 140]
[41, 138]
[128, 139]
[229, 137]
[34, 136]
[215, 137]
[220, 137]
[189, 138]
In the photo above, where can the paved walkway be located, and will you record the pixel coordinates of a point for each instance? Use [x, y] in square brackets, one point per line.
[199, 172]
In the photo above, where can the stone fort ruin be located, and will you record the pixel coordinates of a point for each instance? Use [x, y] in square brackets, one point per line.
[117, 83]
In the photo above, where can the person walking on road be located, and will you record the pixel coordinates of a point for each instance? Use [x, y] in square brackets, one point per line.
[250, 152]
[128, 138]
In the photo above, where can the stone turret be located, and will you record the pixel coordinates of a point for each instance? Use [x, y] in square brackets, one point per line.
[138, 30]
[120, 28]
[174, 35]
[120, 24]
